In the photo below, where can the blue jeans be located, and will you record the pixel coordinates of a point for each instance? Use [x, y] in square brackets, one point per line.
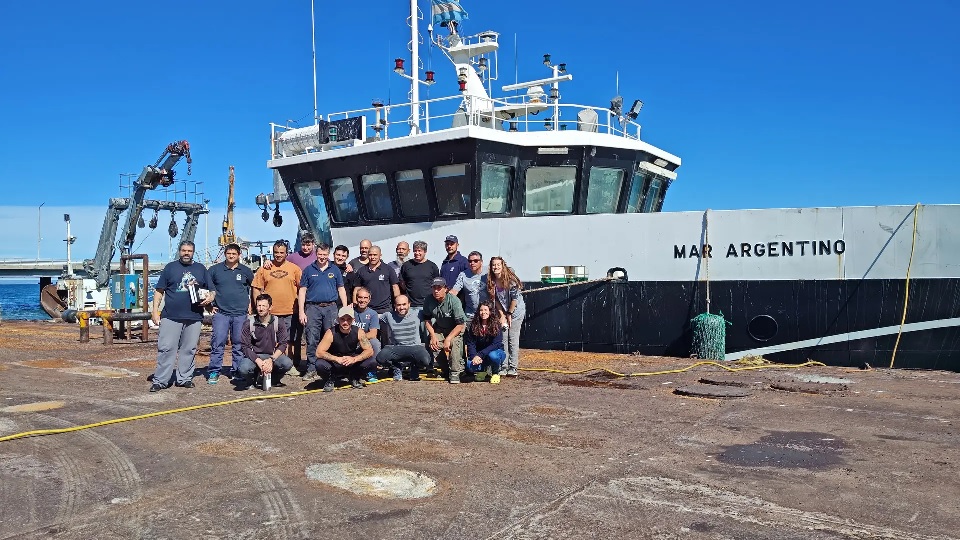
[224, 326]
[493, 360]
[319, 320]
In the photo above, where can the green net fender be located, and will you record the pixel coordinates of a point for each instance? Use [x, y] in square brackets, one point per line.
[709, 336]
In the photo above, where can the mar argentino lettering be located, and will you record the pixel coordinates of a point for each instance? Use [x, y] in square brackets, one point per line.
[763, 249]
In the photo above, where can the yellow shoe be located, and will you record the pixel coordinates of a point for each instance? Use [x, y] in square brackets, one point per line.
[495, 379]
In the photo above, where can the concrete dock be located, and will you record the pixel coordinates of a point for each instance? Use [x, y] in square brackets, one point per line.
[786, 453]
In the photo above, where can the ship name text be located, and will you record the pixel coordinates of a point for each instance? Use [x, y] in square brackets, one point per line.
[798, 248]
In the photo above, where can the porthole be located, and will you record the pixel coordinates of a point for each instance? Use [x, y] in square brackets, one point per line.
[762, 328]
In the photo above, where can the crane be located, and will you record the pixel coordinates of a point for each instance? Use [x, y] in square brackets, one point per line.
[160, 174]
[228, 236]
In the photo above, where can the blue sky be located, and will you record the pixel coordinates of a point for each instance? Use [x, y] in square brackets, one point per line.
[770, 104]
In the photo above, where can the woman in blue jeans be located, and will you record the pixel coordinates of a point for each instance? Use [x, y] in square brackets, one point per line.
[484, 341]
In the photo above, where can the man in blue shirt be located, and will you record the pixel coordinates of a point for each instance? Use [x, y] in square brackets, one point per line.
[232, 282]
[454, 263]
[320, 287]
[469, 283]
[180, 283]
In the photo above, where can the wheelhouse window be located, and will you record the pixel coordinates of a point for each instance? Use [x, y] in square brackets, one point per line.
[635, 197]
[452, 186]
[603, 191]
[376, 196]
[549, 190]
[413, 193]
[495, 183]
[344, 199]
[310, 195]
[653, 195]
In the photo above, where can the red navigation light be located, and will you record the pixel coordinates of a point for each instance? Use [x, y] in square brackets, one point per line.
[463, 86]
[429, 77]
[398, 65]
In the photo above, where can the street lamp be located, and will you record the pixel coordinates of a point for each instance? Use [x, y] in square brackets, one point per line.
[39, 238]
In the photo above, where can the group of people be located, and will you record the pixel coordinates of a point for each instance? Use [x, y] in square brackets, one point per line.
[357, 317]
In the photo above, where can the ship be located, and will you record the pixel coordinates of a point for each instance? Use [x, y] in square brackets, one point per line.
[571, 196]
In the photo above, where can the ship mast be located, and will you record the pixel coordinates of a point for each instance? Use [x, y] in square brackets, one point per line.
[415, 61]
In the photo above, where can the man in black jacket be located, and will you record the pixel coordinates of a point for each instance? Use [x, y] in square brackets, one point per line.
[263, 341]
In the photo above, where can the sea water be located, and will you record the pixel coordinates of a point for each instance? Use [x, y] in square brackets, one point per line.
[20, 300]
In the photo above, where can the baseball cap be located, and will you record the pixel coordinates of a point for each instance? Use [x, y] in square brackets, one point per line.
[438, 282]
[345, 311]
[451, 238]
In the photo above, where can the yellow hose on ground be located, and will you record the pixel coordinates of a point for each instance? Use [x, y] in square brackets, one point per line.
[746, 365]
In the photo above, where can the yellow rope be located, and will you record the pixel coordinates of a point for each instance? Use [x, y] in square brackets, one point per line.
[906, 294]
[746, 364]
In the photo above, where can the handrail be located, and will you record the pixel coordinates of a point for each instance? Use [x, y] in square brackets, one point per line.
[473, 111]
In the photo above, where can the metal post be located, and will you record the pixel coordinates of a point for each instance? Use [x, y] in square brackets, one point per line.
[39, 237]
[69, 240]
[415, 67]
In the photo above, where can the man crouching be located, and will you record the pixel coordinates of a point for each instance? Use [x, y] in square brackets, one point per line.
[344, 350]
[264, 341]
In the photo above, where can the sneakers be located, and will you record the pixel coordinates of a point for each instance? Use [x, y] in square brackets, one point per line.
[397, 374]
[414, 374]
[454, 378]
[214, 377]
[188, 384]
[495, 379]
[309, 376]
[357, 383]
[327, 386]
[480, 376]
[372, 376]
[156, 387]
[511, 372]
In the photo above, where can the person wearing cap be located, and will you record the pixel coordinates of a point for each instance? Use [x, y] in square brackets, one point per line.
[416, 276]
[444, 321]
[344, 349]
[263, 340]
[321, 286]
[454, 263]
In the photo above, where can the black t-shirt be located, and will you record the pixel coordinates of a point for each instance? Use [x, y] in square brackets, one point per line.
[378, 282]
[416, 278]
[345, 344]
[174, 281]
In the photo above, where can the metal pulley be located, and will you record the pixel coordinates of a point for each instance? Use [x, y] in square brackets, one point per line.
[141, 223]
[153, 220]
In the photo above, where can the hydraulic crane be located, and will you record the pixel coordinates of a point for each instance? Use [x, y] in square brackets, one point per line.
[160, 174]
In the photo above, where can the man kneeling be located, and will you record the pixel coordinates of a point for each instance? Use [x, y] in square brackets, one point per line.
[263, 340]
[344, 350]
[406, 347]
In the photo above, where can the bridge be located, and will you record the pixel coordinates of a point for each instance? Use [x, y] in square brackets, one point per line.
[43, 267]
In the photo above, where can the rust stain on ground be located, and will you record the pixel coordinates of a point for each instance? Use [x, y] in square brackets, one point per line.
[415, 449]
[49, 363]
[522, 434]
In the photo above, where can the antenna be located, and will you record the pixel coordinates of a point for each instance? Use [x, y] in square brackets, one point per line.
[313, 36]
[516, 63]
[618, 83]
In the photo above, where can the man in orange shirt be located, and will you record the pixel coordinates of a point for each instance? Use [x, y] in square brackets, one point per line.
[282, 282]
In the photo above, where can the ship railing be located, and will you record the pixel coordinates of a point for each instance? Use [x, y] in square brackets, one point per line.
[510, 114]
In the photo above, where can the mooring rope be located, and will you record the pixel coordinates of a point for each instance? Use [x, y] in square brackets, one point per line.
[906, 294]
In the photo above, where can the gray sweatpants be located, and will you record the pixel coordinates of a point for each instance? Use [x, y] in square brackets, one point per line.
[176, 345]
